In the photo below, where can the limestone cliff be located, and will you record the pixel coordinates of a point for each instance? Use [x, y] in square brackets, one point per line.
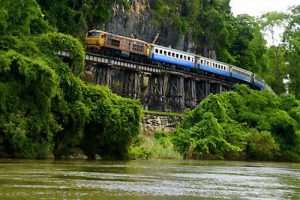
[139, 22]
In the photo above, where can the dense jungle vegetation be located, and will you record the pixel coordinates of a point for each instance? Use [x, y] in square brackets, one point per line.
[46, 108]
[44, 105]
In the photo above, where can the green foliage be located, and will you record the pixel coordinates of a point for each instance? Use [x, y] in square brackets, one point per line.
[204, 138]
[76, 17]
[26, 124]
[171, 114]
[248, 48]
[54, 42]
[160, 147]
[240, 124]
[17, 15]
[276, 69]
[113, 124]
[45, 108]
[213, 104]
[262, 146]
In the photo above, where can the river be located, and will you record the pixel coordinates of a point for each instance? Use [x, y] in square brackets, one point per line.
[152, 179]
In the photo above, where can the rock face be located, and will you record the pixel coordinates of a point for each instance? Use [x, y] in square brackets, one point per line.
[137, 22]
[153, 123]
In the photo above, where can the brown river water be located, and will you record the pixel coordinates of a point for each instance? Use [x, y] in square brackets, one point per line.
[145, 180]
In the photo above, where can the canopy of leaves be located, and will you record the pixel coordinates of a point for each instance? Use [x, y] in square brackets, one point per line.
[241, 123]
[77, 17]
[45, 107]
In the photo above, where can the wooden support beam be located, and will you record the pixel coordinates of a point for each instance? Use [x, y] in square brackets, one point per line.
[104, 76]
[190, 93]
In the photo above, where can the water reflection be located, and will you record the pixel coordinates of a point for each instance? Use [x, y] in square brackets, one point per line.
[23, 179]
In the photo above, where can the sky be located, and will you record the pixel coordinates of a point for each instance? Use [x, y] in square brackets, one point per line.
[259, 7]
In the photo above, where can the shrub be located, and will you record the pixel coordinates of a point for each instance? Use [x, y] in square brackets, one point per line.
[262, 146]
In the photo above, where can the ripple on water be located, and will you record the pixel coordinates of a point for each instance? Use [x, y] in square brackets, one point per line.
[149, 179]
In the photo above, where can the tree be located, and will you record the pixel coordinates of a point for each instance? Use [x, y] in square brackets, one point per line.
[292, 39]
[17, 16]
[248, 48]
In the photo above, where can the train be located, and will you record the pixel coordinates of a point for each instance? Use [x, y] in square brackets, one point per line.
[111, 44]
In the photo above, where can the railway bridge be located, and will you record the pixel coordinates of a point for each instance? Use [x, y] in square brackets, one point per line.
[159, 87]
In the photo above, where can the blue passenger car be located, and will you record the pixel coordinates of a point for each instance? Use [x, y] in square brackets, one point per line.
[259, 82]
[172, 56]
[213, 66]
[241, 74]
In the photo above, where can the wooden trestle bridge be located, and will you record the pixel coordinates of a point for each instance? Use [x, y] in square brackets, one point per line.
[159, 87]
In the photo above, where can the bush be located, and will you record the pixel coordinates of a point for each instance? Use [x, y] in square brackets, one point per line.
[240, 124]
[160, 147]
[262, 146]
[113, 124]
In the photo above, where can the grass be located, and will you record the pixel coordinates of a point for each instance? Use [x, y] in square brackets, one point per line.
[151, 112]
[152, 148]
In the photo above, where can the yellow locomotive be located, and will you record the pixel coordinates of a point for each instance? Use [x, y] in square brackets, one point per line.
[103, 42]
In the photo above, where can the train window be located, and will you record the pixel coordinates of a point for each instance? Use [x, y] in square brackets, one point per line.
[93, 34]
[184, 57]
[160, 51]
[169, 53]
[102, 36]
[156, 50]
[165, 53]
[180, 56]
[139, 48]
[173, 54]
[113, 42]
[177, 55]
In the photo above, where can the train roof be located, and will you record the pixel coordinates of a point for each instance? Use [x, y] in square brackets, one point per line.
[168, 48]
[95, 30]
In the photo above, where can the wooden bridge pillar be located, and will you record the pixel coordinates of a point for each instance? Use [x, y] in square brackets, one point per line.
[130, 84]
[206, 89]
[104, 76]
[175, 93]
[200, 93]
[190, 93]
[155, 93]
[214, 87]
[220, 88]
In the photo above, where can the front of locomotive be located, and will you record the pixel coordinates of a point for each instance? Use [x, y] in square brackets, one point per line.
[94, 40]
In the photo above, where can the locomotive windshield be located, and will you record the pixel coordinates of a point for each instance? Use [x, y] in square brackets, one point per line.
[93, 34]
